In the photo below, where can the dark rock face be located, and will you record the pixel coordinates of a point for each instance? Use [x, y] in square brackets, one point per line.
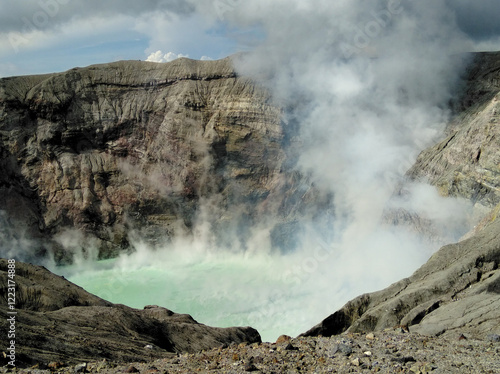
[145, 149]
[59, 321]
[457, 290]
[467, 163]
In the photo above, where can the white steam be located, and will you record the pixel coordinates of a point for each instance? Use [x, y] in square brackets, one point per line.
[368, 81]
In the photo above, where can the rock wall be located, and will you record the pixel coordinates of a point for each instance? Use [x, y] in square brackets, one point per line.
[467, 162]
[143, 149]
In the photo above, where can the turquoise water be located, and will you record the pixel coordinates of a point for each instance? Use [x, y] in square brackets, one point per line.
[264, 292]
[276, 294]
[217, 292]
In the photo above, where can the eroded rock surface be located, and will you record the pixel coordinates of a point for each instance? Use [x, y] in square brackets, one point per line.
[138, 149]
[467, 162]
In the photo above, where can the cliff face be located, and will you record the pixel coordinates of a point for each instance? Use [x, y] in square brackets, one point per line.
[467, 162]
[139, 147]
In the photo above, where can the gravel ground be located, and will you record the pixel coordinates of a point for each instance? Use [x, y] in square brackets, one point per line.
[381, 352]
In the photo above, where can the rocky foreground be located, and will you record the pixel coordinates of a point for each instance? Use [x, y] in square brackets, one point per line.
[390, 351]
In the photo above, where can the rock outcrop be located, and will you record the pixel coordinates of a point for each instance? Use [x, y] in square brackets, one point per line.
[143, 148]
[458, 289]
[467, 162]
[59, 321]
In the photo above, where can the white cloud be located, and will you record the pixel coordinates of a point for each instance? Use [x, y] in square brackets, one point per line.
[195, 27]
[78, 37]
[158, 56]
[206, 58]
[81, 32]
[50, 14]
[189, 34]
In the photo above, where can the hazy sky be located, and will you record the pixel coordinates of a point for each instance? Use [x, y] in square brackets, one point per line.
[38, 36]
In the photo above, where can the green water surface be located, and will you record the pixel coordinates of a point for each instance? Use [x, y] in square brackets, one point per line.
[217, 292]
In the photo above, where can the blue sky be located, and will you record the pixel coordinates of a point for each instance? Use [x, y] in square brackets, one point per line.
[41, 36]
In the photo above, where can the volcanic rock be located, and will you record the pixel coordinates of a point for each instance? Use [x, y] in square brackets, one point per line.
[467, 163]
[464, 164]
[143, 150]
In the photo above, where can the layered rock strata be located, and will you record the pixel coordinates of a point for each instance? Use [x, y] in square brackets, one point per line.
[144, 150]
[467, 162]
